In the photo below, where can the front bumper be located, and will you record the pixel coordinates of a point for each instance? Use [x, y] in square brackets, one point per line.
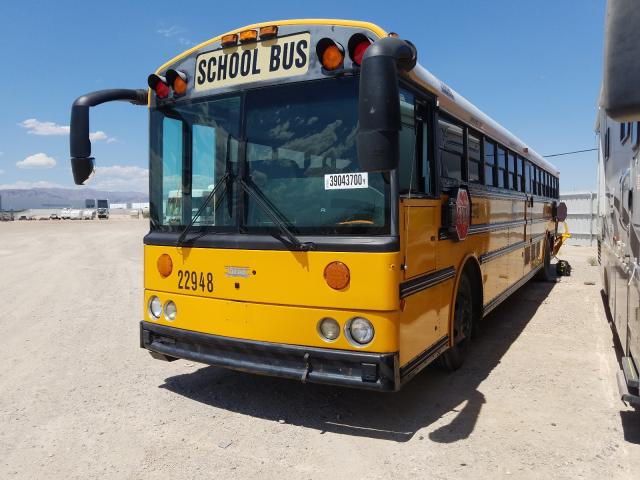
[372, 371]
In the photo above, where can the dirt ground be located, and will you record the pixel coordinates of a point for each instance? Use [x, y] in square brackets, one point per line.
[80, 399]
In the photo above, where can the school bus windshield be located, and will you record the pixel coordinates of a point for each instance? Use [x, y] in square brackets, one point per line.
[293, 144]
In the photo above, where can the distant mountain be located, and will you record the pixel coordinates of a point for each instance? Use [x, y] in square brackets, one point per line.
[20, 199]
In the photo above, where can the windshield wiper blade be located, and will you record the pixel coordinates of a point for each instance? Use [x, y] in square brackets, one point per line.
[221, 182]
[274, 215]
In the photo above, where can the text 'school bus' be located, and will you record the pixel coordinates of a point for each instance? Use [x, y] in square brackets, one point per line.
[359, 215]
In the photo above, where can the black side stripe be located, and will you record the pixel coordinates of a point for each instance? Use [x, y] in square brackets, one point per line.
[423, 359]
[501, 251]
[423, 282]
[489, 227]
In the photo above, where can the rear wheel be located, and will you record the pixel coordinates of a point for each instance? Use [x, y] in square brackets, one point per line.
[546, 274]
[463, 316]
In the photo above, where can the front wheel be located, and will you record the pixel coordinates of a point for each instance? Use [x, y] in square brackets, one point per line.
[453, 358]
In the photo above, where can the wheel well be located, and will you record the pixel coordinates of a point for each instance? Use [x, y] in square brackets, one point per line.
[472, 270]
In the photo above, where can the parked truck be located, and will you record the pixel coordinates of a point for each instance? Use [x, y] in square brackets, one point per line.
[103, 209]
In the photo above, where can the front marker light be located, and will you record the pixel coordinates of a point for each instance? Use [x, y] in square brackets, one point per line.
[360, 330]
[155, 307]
[329, 329]
[170, 310]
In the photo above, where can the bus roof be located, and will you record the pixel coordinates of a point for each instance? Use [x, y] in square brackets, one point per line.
[449, 100]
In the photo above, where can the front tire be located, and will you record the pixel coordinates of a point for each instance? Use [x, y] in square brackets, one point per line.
[463, 317]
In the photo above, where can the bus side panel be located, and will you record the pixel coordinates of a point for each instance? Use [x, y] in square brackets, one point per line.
[424, 320]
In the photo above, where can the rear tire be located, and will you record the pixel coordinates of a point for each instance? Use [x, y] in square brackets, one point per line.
[546, 273]
[463, 314]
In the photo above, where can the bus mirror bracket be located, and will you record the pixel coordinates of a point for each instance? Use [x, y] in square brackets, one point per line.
[620, 92]
[379, 104]
[82, 163]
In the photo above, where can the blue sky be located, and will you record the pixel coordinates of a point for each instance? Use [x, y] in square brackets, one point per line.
[533, 66]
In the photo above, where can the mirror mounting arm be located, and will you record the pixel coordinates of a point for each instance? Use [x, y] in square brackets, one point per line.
[79, 143]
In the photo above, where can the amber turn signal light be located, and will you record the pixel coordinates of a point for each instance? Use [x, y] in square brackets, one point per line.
[337, 275]
[248, 36]
[178, 81]
[267, 32]
[229, 40]
[165, 265]
[330, 54]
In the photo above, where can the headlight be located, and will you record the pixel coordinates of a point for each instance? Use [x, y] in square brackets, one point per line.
[170, 310]
[155, 307]
[360, 330]
[328, 329]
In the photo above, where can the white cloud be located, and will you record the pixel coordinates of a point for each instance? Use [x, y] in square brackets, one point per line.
[170, 31]
[122, 178]
[21, 185]
[36, 127]
[1, 172]
[99, 135]
[38, 160]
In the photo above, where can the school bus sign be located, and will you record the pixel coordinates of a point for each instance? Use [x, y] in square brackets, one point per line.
[266, 60]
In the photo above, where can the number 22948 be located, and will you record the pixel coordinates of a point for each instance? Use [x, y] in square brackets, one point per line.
[191, 280]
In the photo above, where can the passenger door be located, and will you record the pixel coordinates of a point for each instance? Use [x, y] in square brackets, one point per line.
[419, 207]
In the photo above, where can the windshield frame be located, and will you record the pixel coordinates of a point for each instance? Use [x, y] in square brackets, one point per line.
[386, 233]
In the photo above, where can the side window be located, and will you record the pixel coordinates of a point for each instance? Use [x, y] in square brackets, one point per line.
[512, 171]
[475, 160]
[408, 177]
[203, 158]
[172, 135]
[635, 135]
[527, 177]
[489, 162]
[606, 144]
[427, 174]
[451, 148]
[520, 175]
[502, 167]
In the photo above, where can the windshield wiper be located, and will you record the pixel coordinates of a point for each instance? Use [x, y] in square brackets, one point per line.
[274, 215]
[221, 182]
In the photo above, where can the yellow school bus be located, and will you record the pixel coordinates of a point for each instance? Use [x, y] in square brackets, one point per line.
[355, 217]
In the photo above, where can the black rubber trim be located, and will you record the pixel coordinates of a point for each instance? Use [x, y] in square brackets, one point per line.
[505, 294]
[486, 257]
[480, 228]
[372, 371]
[425, 281]
[489, 227]
[413, 367]
[267, 242]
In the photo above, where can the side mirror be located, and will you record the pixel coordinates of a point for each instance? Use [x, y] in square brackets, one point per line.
[379, 103]
[620, 86]
[82, 163]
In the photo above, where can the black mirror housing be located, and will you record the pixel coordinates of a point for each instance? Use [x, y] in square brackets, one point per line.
[379, 103]
[82, 169]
